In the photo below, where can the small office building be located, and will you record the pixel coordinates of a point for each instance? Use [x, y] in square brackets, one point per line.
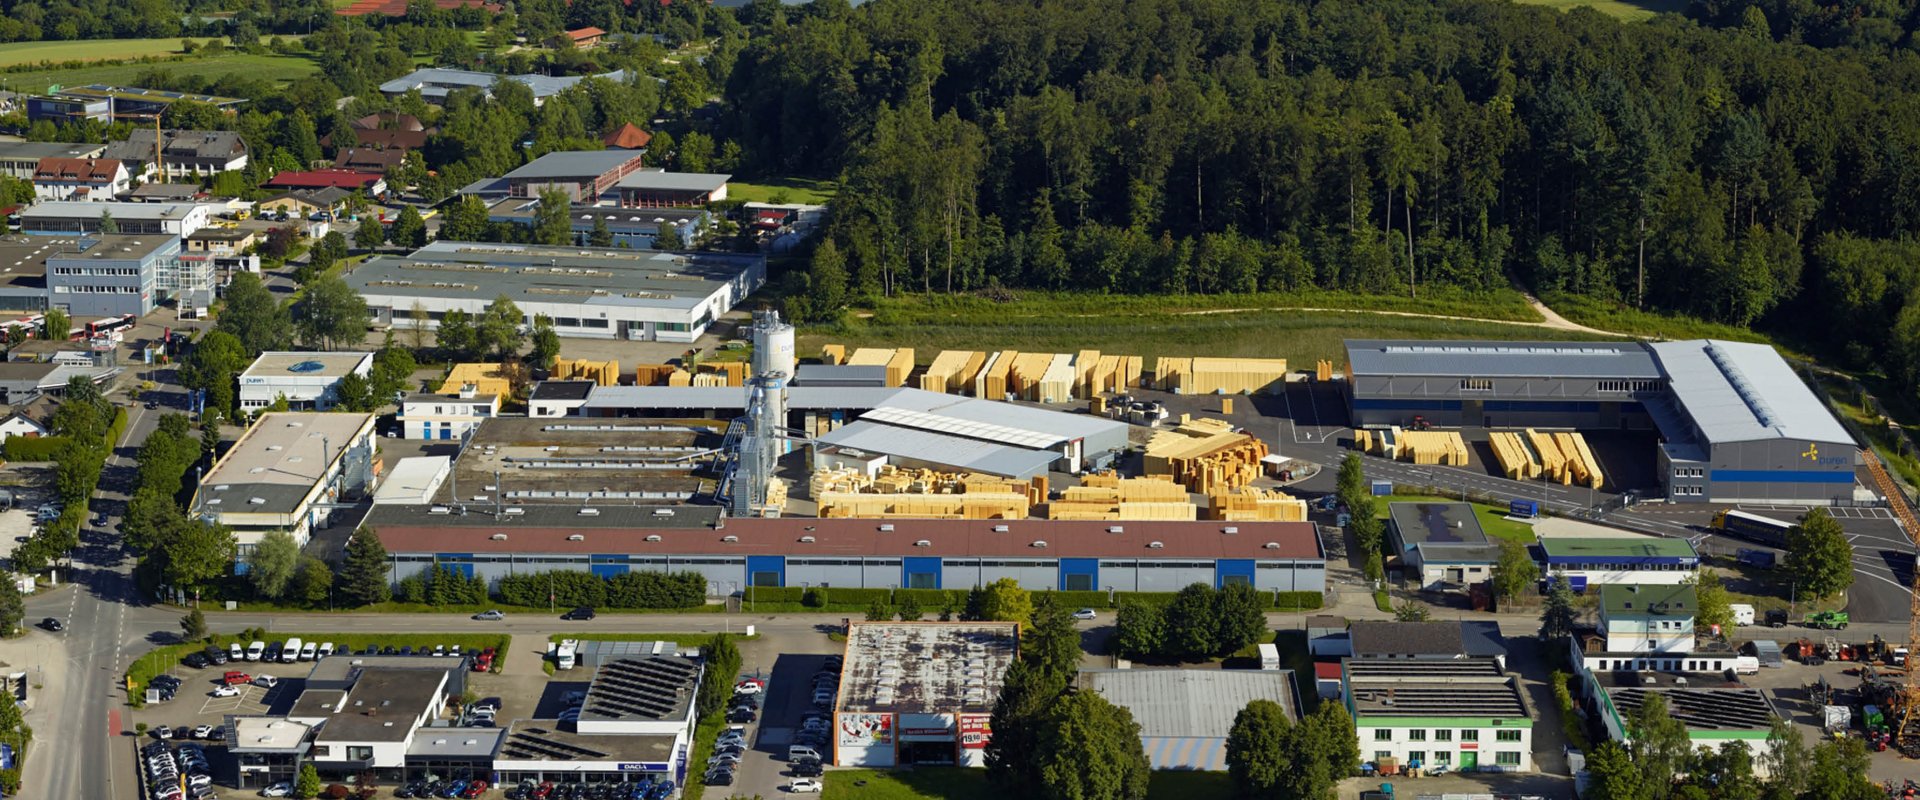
[288, 473]
[1440, 546]
[1464, 714]
[1655, 619]
[444, 417]
[67, 218]
[1585, 561]
[1185, 715]
[595, 293]
[636, 723]
[920, 692]
[21, 160]
[109, 275]
[310, 381]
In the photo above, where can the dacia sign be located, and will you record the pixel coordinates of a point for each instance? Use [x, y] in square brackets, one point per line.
[641, 766]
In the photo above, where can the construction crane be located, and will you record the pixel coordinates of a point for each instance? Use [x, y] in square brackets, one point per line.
[1907, 736]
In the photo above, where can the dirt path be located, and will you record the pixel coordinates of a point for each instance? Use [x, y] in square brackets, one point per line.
[1548, 318]
[1557, 322]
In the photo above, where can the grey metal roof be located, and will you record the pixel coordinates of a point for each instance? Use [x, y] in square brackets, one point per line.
[1431, 639]
[585, 276]
[968, 455]
[1739, 392]
[37, 150]
[1418, 523]
[1065, 425]
[75, 209]
[673, 181]
[436, 82]
[1189, 702]
[455, 743]
[1484, 359]
[841, 375]
[573, 164]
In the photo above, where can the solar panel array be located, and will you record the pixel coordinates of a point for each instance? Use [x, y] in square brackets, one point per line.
[985, 431]
[643, 688]
[533, 744]
[1422, 669]
[1710, 709]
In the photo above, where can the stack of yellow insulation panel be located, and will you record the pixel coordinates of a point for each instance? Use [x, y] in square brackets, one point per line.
[1580, 460]
[1363, 440]
[1130, 368]
[835, 480]
[870, 357]
[1106, 496]
[1515, 455]
[679, 377]
[1023, 380]
[1108, 375]
[1253, 504]
[985, 505]
[486, 379]
[991, 383]
[1084, 363]
[1056, 384]
[604, 373]
[777, 495]
[833, 355]
[651, 374]
[900, 366]
[1169, 373]
[1146, 488]
[734, 373]
[709, 379]
[1323, 370]
[952, 371]
[1434, 447]
[1552, 462]
[1205, 455]
[1235, 376]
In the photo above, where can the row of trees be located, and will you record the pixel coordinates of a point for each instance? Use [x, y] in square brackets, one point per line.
[186, 553]
[1050, 741]
[1269, 757]
[88, 427]
[1199, 622]
[278, 571]
[573, 588]
[1215, 146]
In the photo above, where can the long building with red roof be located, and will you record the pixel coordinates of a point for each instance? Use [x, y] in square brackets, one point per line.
[734, 554]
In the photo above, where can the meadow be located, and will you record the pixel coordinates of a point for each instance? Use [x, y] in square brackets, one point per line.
[1628, 10]
[277, 68]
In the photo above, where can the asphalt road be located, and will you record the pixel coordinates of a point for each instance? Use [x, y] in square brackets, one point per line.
[85, 755]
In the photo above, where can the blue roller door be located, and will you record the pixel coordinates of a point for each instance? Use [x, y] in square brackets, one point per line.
[607, 566]
[1232, 570]
[920, 572]
[458, 562]
[766, 570]
[1079, 574]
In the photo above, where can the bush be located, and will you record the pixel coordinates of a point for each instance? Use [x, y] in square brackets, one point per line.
[560, 587]
[930, 599]
[861, 597]
[657, 590]
[1073, 600]
[815, 597]
[21, 448]
[626, 590]
[775, 594]
[1300, 600]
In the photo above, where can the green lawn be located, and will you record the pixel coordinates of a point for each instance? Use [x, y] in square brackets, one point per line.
[1493, 519]
[1299, 336]
[961, 783]
[1627, 10]
[797, 190]
[1652, 324]
[164, 659]
[268, 67]
[681, 639]
[88, 50]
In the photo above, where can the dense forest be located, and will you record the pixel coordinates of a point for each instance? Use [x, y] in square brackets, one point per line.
[1737, 168]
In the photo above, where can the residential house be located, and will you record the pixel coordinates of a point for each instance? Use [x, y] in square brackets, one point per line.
[1647, 618]
[188, 156]
[22, 159]
[366, 159]
[586, 38]
[32, 419]
[627, 137]
[91, 179]
[307, 202]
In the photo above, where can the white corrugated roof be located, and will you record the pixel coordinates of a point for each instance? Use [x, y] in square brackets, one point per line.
[1738, 392]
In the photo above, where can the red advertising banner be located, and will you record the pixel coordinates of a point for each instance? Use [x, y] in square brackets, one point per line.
[975, 731]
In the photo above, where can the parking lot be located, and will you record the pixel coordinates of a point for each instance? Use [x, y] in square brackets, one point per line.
[786, 705]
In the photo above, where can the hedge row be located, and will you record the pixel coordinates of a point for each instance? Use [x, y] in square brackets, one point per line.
[22, 448]
[625, 590]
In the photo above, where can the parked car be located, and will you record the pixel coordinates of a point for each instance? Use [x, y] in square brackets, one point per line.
[196, 659]
[216, 655]
[808, 769]
[491, 615]
[581, 613]
[237, 678]
[281, 789]
[265, 681]
[719, 777]
[226, 691]
[163, 732]
[475, 788]
[804, 786]
[256, 650]
[742, 715]
[1085, 613]
[749, 686]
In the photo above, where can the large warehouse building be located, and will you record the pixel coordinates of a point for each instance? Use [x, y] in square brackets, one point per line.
[737, 554]
[920, 692]
[596, 293]
[1737, 425]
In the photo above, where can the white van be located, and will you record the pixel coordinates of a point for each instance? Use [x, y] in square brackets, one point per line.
[290, 652]
[309, 651]
[325, 650]
[236, 653]
[1746, 665]
[796, 752]
[1742, 614]
[256, 650]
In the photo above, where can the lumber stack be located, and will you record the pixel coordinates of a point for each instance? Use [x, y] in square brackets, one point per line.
[892, 480]
[1516, 457]
[1146, 488]
[604, 373]
[952, 371]
[833, 355]
[1434, 447]
[1235, 376]
[1586, 468]
[984, 505]
[1253, 504]
[1084, 363]
[1553, 463]
[991, 383]
[651, 374]
[1205, 455]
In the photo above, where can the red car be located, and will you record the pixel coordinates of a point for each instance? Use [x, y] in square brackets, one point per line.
[474, 789]
[237, 678]
[483, 662]
[540, 792]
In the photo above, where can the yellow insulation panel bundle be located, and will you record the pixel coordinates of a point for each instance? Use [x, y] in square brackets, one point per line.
[833, 355]
[1130, 366]
[1084, 363]
[604, 373]
[1205, 455]
[1235, 376]
[992, 383]
[989, 505]
[952, 371]
[1515, 456]
[1363, 440]
[870, 357]
[734, 372]
[709, 379]
[1023, 380]
[1108, 375]
[1552, 462]
[900, 366]
[651, 374]
[679, 377]
[1323, 370]
[1252, 504]
[1434, 447]
[1056, 384]
[1580, 460]
[1170, 374]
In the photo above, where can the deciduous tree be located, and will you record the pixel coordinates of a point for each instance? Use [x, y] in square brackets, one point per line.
[330, 315]
[1515, 571]
[272, 563]
[1818, 555]
[1006, 601]
[1090, 750]
[1139, 629]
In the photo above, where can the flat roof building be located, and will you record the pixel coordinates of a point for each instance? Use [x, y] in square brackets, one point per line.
[634, 228]
[134, 101]
[585, 175]
[655, 188]
[920, 692]
[413, 481]
[1648, 618]
[287, 473]
[310, 381]
[435, 83]
[21, 159]
[1465, 714]
[66, 218]
[600, 293]
[1604, 560]
[186, 155]
[1441, 544]
[110, 275]
[1737, 424]
[1185, 715]
[1715, 711]
[533, 462]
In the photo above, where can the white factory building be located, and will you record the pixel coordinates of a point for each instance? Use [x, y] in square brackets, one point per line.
[309, 381]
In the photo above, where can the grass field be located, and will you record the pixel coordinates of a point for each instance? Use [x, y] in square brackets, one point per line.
[88, 50]
[1492, 520]
[269, 67]
[797, 190]
[1627, 10]
[1623, 319]
[960, 783]
[1299, 336]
